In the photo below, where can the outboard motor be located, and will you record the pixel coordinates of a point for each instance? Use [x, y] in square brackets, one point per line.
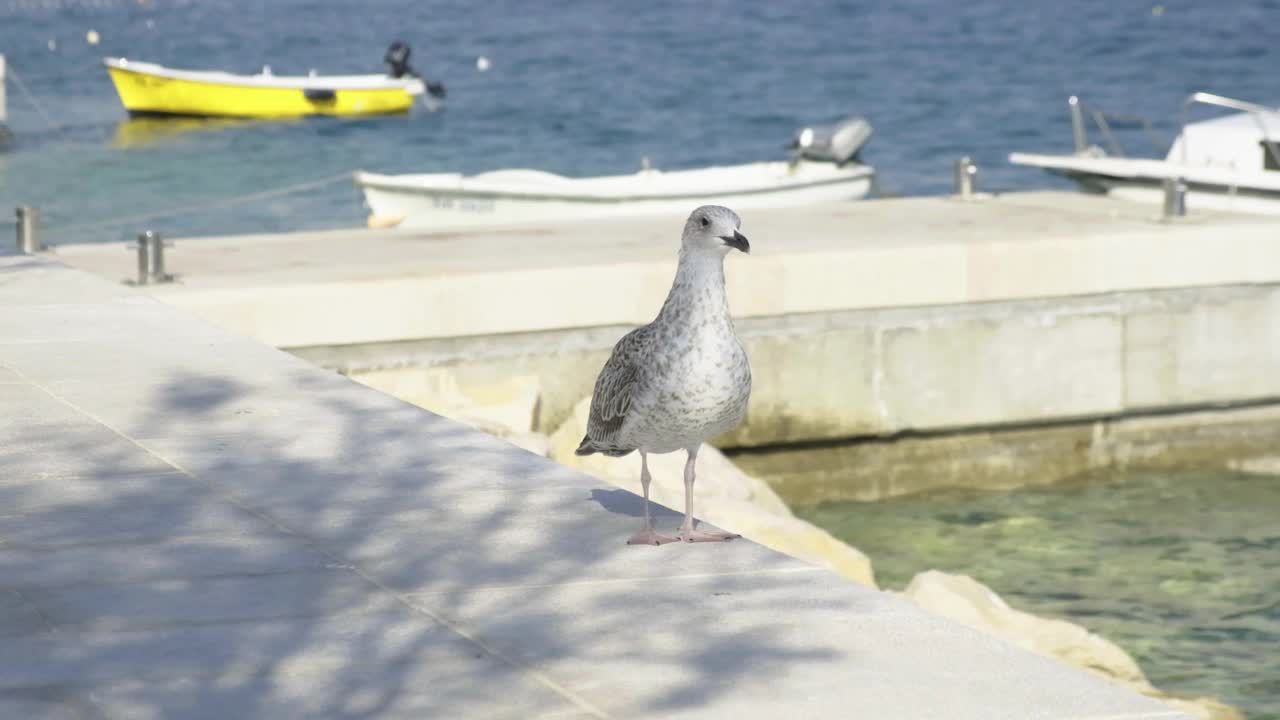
[397, 60]
[838, 143]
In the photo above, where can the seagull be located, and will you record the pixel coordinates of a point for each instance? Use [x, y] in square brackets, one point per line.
[681, 379]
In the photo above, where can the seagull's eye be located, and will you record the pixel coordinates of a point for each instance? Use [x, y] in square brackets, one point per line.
[705, 222]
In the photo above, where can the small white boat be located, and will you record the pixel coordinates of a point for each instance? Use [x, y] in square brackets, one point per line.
[1229, 163]
[824, 168]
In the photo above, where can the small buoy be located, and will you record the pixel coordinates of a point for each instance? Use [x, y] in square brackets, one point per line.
[91, 37]
[52, 44]
[482, 63]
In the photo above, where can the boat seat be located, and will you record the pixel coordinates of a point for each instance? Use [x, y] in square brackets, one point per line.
[522, 177]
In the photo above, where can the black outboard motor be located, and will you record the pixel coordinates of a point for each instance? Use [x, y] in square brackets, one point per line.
[397, 60]
[838, 143]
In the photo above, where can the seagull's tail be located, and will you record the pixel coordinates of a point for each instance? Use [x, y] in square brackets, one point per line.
[589, 447]
[586, 447]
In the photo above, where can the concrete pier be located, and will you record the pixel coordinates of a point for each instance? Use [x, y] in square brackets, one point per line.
[863, 320]
[195, 525]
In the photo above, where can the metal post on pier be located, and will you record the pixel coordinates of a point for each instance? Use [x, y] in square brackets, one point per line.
[1077, 125]
[2, 103]
[965, 169]
[150, 247]
[1175, 198]
[29, 230]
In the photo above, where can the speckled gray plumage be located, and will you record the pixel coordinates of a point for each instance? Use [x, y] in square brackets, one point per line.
[684, 377]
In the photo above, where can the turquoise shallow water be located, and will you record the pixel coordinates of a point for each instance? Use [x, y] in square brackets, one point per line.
[1182, 570]
[590, 88]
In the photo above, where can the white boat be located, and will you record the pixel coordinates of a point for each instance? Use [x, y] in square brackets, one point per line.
[824, 168]
[1229, 163]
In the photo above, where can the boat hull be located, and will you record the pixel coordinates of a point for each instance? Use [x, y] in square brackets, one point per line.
[147, 94]
[1219, 198]
[398, 201]
[1141, 180]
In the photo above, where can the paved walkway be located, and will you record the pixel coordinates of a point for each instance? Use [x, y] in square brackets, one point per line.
[194, 525]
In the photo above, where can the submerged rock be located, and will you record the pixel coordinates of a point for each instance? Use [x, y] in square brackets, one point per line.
[969, 602]
[724, 496]
[1265, 465]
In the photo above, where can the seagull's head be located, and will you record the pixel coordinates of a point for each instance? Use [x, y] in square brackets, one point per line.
[715, 228]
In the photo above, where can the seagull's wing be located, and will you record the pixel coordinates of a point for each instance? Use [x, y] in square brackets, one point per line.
[613, 393]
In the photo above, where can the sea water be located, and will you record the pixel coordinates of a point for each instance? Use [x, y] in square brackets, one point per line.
[587, 88]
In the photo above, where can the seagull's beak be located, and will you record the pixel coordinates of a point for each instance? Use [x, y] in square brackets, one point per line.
[738, 241]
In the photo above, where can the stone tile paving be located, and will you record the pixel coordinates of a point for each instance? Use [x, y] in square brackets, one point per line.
[195, 526]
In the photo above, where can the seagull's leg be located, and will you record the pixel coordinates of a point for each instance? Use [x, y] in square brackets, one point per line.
[687, 531]
[647, 536]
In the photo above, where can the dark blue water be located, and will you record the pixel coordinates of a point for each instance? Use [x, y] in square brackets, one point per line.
[589, 88]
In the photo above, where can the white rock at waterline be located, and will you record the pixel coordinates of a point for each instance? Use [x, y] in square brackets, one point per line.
[969, 602]
[505, 408]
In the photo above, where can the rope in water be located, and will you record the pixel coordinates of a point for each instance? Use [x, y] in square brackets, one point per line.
[17, 79]
[172, 212]
[211, 205]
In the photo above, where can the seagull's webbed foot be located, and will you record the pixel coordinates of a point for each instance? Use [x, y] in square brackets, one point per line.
[688, 533]
[649, 536]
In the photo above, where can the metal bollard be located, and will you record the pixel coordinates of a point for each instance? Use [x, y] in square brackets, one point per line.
[1175, 197]
[964, 172]
[150, 249]
[1078, 138]
[29, 230]
[3, 112]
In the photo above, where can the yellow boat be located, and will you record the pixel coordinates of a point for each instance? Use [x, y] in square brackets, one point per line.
[150, 89]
